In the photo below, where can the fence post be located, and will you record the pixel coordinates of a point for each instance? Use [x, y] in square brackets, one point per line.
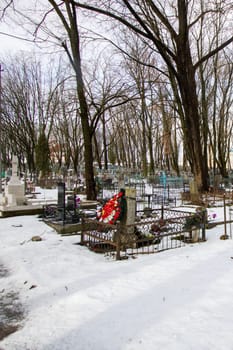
[82, 231]
[162, 211]
[225, 216]
[204, 221]
[118, 241]
[230, 219]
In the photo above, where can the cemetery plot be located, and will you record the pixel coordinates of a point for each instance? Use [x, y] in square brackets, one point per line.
[67, 208]
[146, 235]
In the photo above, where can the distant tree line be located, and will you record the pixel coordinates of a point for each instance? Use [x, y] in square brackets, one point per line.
[159, 96]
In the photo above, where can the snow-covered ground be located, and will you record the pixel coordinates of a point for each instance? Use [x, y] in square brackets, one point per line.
[75, 299]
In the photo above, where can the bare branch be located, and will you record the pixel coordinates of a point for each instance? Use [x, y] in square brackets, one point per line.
[213, 52]
[42, 20]
[17, 37]
[202, 15]
[162, 18]
[5, 8]
[60, 14]
[164, 51]
[124, 52]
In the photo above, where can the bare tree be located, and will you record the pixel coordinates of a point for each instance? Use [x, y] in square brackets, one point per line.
[168, 32]
[66, 137]
[29, 101]
[143, 80]
[223, 120]
[66, 12]
[68, 17]
[105, 92]
[215, 95]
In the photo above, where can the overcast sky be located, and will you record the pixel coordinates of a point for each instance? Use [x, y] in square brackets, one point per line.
[11, 44]
[12, 36]
[10, 33]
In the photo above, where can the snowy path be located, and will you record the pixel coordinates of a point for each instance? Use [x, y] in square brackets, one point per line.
[177, 300]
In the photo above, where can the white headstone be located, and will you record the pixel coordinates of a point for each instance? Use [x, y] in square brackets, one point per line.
[14, 192]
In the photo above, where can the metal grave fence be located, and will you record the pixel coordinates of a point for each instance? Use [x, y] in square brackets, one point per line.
[163, 230]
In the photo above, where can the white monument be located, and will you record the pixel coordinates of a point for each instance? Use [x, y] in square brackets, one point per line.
[14, 190]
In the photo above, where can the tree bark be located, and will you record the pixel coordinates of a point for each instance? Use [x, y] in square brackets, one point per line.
[188, 92]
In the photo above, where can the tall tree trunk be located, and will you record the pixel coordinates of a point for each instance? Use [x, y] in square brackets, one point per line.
[188, 91]
[71, 26]
[192, 137]
[87, 132]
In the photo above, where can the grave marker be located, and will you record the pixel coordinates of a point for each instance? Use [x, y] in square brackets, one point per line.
[61, 200]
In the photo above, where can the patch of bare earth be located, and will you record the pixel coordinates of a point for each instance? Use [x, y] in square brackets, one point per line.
[11, 310]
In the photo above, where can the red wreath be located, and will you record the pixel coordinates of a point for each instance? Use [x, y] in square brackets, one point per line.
[111, 211]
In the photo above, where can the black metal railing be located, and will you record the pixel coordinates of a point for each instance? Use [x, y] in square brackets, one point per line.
[163, 230]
